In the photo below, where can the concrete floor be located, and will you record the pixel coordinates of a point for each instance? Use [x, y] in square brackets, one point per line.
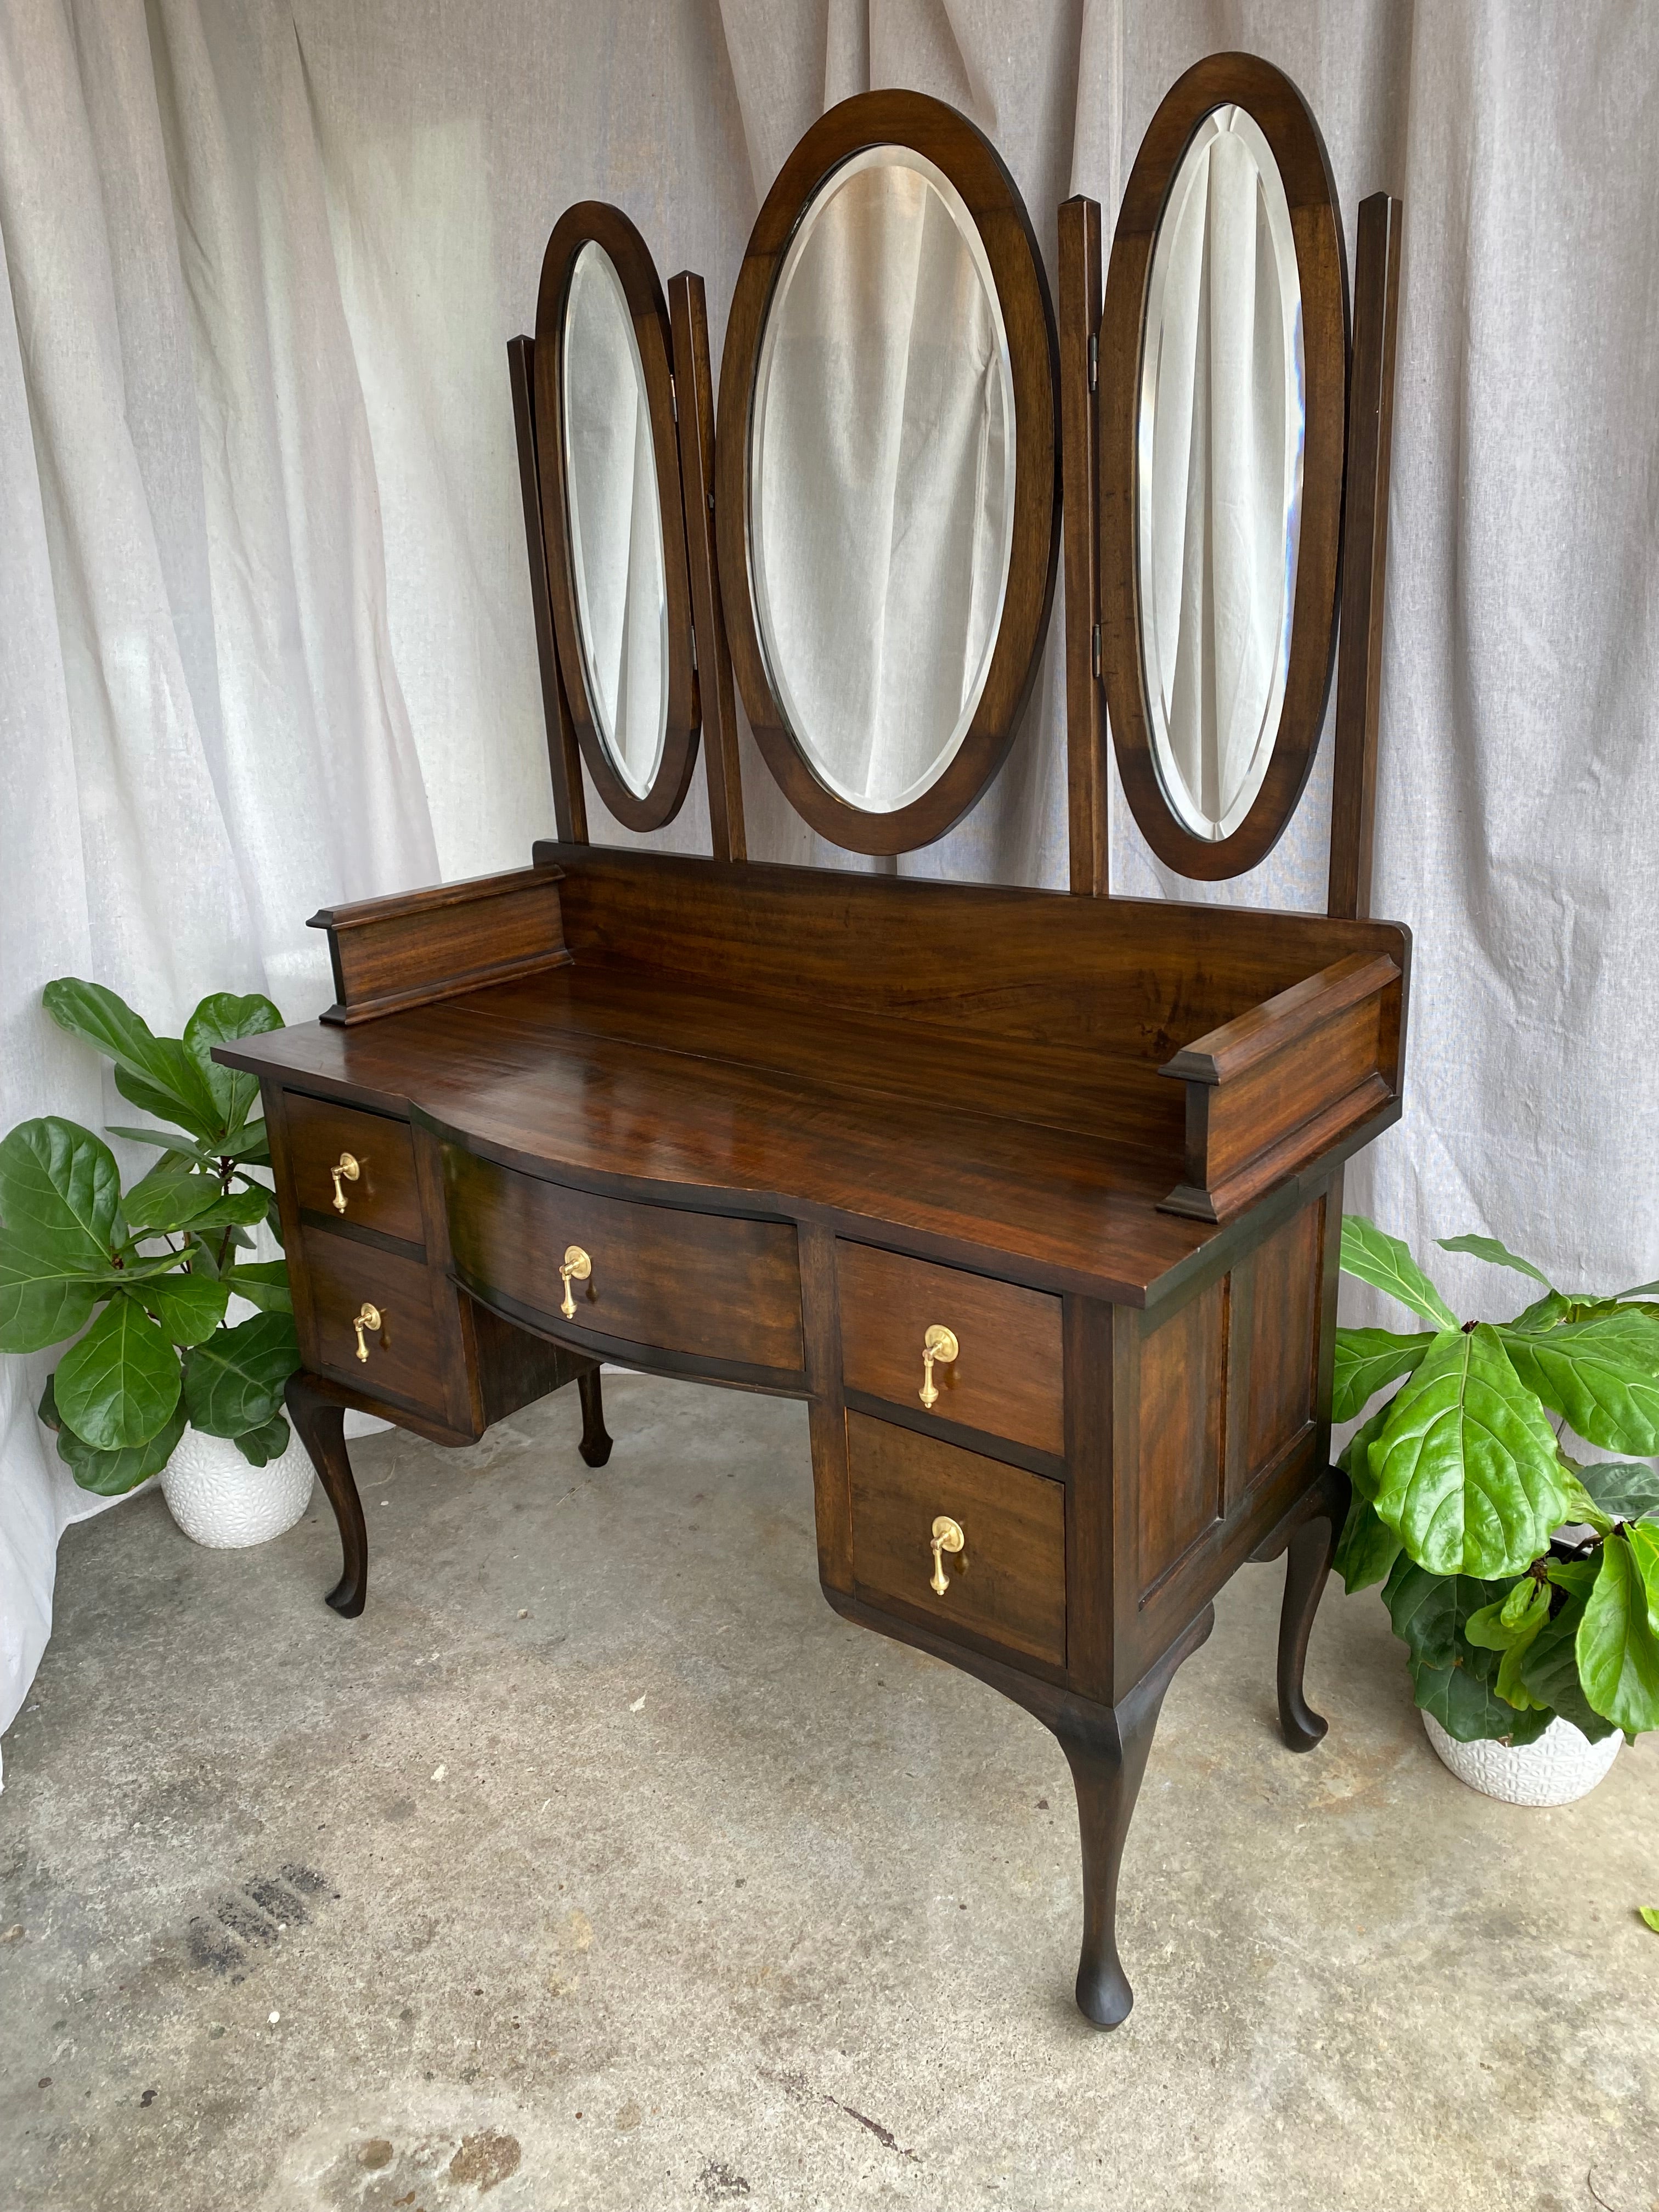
[599, 1865]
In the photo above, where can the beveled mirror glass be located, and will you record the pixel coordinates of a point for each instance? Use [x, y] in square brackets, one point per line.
[616, 528]
[881, 478]
[1220, 436]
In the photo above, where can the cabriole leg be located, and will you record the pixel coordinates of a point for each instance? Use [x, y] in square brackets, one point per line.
[595, 1446]
[1308, 1557]
[1106, 1747]
[322, 1427]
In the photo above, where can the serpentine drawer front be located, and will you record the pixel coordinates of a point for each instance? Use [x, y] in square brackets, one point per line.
[718, 1286]
[353, 1167]
[372, 1312]
[1004, 1376]
[926, 1513]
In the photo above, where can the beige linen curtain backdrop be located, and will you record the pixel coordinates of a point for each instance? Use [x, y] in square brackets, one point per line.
[265, 629]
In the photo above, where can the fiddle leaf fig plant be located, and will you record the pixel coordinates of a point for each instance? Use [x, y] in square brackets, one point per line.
[1524, 1584]
[152, 1268]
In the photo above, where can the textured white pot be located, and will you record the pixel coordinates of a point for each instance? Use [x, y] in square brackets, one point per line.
[216, 1497]
[1560, 1767]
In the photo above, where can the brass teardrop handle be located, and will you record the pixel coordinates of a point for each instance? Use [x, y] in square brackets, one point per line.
[368, 1318]
[939, 1343]
[947, 1536]
[349, 1169]
[577, 1267]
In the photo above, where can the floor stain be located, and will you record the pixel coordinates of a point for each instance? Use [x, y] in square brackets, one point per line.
[485, 2158]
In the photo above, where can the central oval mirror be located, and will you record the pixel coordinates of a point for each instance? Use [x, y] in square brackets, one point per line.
[881, 478]
[614, 522]
[887, 497]
[1221, 436]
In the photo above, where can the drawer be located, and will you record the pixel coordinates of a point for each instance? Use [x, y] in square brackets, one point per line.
[710, 1285]
[1008, 1584]
[384, 1193]
[1007, 1377]
[403, 1361]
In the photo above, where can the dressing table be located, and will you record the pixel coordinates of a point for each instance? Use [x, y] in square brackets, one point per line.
[1034, 1197]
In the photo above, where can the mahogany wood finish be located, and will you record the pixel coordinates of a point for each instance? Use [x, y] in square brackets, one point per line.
[1278, 107]
[1007, 1379]
[719, 1289]
[1365, 553]
[1088, 828]
[1307, 1538]
[794, 1117]
[1007, 1586]
[319, 1423]
[694, 386]
[564, 758]
[384, 1195]
[1282, 1082]
[418, 947]
[591, 223]
[967, 158]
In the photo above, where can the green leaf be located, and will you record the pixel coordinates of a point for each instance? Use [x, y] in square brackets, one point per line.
[159, 1067]
[253, 1147]
[1618, 1643]
[169, 1139]
[234, 1382]
[112, 1473]
[60, 1193]
[1520, 1613]
[1466, 1466]
[1468, 1706]
[1430, 1611]
[1649, 1914]
[1620, 1489]
[1602, 1375]
[1639, 1291]
[261, 1445]
[117, 1385]
[1354, 1458]
[263, 1283]
[1643, 1537]
[1495, 1255]
[189, 1307]
[217, 1020]
[1367, 1360]
[244, 1206]
[1367, 1548]
[1549, 1668]
[1543, 1313]
[169, 1197]
[1374, 1257]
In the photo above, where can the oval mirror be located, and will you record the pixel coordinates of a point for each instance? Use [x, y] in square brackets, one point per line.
[616, 521]
[893, 391]
[1220, 436]
[611, 502]
[1221, 477]
[881, 478]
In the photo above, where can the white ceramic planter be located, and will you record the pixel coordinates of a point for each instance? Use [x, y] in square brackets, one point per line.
[218, 1499]
[1560, 1767]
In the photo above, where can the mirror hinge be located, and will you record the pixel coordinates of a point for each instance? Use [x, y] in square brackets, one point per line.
[1094, 365]
[1094, 645]
[673, 399]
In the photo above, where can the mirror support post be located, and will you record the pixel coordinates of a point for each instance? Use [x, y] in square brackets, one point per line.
[694, 391]
[1085, 717]
[1364, 555]
[569, 800]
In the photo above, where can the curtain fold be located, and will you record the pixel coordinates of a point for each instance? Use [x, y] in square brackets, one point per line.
[266, 639]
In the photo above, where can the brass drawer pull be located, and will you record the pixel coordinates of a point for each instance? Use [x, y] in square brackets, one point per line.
[368, 1318]
[947, 1536]
[577, 1267]
[940, 1344]
[349, 1169]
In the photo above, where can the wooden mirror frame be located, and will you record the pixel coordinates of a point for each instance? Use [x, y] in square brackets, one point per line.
[967, 157]
[1268, 96]
[593, 222]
